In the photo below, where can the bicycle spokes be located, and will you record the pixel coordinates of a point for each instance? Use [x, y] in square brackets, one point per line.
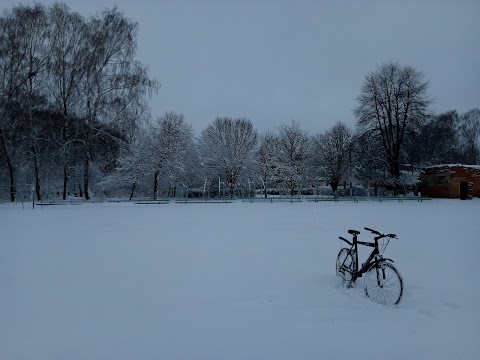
[383, 284]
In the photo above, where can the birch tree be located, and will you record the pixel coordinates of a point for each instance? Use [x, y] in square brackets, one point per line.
[114, 81]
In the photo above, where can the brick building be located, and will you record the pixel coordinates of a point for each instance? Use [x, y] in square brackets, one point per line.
[450, 181]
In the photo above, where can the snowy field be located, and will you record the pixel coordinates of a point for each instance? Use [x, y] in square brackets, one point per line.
[233, 281]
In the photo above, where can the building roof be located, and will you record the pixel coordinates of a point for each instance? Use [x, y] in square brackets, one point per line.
[451, 165]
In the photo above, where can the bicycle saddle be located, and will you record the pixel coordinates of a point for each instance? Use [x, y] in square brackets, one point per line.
[353, 232]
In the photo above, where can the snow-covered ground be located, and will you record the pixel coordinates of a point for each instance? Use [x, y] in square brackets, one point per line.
[233, 281]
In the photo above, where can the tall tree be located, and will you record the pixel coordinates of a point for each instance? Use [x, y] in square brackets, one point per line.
[393, 101]
[228, 147]
[113, 79]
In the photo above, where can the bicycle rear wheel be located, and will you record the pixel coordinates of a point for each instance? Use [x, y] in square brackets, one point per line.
[346, 259]
[384, 284]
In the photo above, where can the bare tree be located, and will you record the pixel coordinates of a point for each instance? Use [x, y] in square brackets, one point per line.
[228, 147]
[470, 136]
[331, 154]
[392, 101]
[293, 146]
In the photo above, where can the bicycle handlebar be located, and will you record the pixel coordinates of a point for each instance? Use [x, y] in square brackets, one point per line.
[393, 236]
[373, 231]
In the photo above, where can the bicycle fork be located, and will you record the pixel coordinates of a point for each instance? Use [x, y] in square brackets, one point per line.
[380, 275]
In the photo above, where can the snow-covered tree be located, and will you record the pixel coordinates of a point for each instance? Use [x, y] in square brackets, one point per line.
[293, 146]
[134, 165]
[331, 153]
[163, 151]
[228, 147]
[174, 149]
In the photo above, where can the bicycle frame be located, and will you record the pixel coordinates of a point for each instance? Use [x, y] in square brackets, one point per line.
[373, 259]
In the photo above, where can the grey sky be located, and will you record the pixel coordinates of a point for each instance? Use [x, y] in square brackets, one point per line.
[277, 61]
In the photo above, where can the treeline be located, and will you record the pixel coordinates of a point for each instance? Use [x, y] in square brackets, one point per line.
[230, 153]
[74, 121]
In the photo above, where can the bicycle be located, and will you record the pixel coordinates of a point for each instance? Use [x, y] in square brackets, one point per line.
[383, 283]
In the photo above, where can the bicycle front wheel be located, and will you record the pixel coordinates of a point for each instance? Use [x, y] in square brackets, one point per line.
[384, 284]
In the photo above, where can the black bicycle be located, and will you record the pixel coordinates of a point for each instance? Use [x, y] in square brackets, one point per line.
[383, 282]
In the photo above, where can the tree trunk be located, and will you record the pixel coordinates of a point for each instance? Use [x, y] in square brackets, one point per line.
[86, 174]
[334, 185]
[155, 185]
[65, 173]
[37, 178]
[265, 185]
[291, 185]
[65, 181]
[11, 169]
[133, 189]
[11, 173]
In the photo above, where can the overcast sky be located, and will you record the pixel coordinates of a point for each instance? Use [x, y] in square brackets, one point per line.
[278, 61]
